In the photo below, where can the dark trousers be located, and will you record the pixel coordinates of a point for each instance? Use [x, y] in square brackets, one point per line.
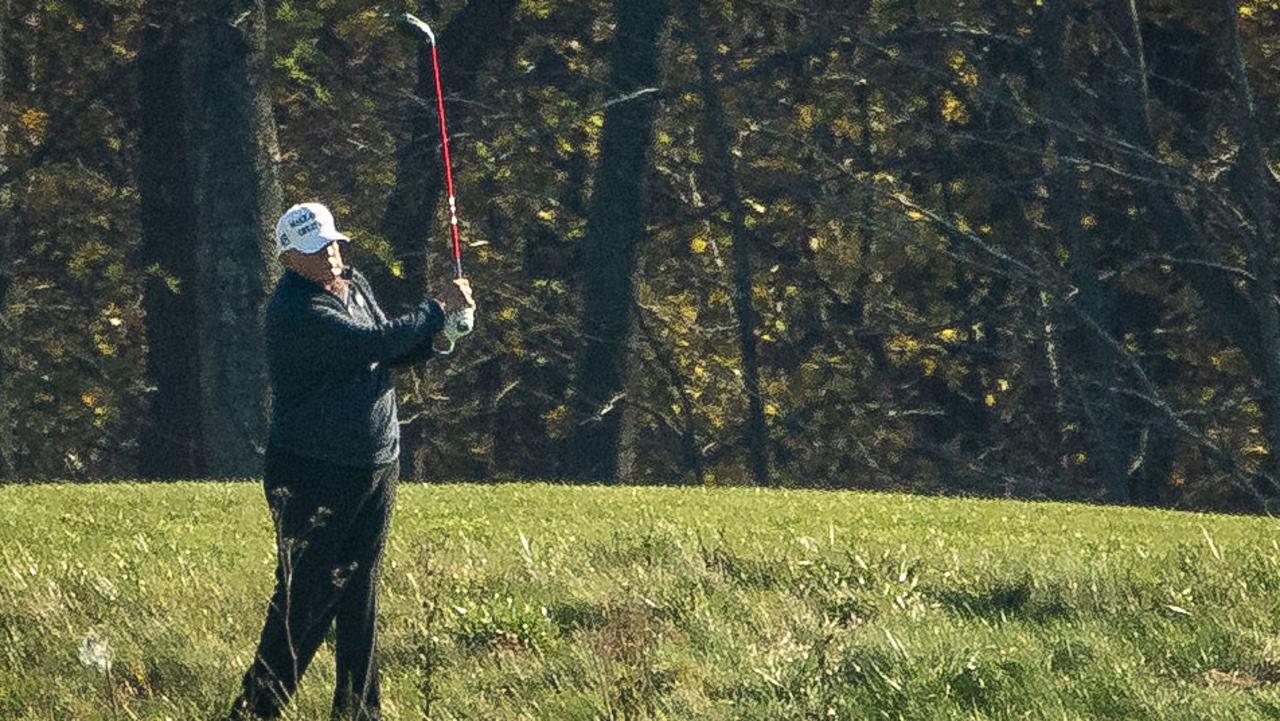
[331, 524]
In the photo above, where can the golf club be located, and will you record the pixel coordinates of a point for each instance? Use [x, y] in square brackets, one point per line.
[408, 21]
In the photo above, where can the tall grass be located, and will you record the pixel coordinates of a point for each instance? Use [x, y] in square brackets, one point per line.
[552, 602]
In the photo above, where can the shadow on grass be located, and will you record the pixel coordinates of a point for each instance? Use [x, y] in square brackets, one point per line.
[743, 571]
[576, 615]
[1002, 599]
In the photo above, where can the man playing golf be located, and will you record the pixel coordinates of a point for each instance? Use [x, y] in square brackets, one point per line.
[332, 460]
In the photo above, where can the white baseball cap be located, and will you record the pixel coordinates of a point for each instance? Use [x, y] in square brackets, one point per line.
[306, 228]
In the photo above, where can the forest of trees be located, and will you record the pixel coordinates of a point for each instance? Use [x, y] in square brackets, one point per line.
[1022, 248]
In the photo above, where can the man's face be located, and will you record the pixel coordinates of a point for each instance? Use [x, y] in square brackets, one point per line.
[321, 266]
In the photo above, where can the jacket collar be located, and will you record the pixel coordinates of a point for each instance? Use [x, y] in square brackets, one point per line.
[295, 280]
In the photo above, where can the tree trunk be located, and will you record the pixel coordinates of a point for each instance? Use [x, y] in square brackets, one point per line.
[237, 157]
[231, 146]
[1089, 359]
[615, 227]
[716, 134]
[471, 37]
[172, 445]
[1260, 245]
[6, 244]
[1240, 317]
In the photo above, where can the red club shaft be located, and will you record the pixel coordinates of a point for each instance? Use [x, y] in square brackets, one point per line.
[448, 165]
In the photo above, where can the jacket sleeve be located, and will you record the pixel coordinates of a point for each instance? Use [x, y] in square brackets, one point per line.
[424, 350]
[337, 345]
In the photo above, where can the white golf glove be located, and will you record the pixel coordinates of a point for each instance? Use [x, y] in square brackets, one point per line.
[456, 325]
[459, 323]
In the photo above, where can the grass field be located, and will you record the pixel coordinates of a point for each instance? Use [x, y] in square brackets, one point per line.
[553, 602]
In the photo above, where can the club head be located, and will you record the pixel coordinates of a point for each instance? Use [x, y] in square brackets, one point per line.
[412, 25]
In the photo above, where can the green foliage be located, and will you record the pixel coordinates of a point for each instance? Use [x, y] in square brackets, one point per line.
[496, 621]
[967, 278]
[77, 374]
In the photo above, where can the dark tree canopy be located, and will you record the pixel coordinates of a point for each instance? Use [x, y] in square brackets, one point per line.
[1019, 248]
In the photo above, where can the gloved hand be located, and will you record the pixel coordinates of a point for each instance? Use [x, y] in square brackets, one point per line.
[459, 323]
[460, 311]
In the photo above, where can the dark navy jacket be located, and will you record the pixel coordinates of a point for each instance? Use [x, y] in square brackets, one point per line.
[329, 362]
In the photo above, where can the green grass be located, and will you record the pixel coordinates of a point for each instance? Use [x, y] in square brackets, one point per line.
[552, 602]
